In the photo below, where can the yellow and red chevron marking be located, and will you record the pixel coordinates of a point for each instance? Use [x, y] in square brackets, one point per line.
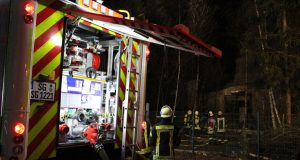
[121, 96]
[87, 23]
[46, 59]
[99, 8]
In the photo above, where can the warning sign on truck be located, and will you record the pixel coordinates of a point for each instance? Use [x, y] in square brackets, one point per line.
[43, 91]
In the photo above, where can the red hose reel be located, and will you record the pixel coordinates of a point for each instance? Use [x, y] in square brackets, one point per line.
[96, 61]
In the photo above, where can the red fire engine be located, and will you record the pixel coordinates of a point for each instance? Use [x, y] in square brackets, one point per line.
[70, 69]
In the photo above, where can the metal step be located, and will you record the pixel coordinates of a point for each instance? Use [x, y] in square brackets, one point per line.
[132, 90]
[134, 72]
[131, 127]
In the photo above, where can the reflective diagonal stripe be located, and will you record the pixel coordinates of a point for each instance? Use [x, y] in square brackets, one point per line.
[157, 143]
[123, 77]
[106, 30]
[47, 152]
[34, 106]
[135, 46]
[164, 127]
[46, 59]
[42, 51]
[43, 144]
[129, 136]
[121, 96]
[41, 123]
[46, 12]
[87, 22]
[46, 24]
[40, 112]
[52, 154]
[50, 57]
[43, 6]
[50, 67]
[51, 35]
[45, 130]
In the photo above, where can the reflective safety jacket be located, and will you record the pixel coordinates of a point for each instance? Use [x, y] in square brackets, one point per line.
[221, 125]
[164, 142]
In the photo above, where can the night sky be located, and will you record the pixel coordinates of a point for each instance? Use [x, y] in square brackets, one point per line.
[222, 30]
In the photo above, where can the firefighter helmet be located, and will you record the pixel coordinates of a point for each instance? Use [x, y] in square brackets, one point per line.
[220, 113]
[166, 111]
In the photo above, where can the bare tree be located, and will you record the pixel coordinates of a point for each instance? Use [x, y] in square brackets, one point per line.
[200, 13]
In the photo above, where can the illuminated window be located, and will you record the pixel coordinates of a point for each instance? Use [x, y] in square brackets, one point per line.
[86, 3]
[95, 6]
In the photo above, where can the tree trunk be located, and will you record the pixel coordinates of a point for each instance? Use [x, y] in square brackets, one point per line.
[275, 107]
[289, 107]
[263, 38]
[272, 110]
[246, 93]
[259, 28]
[287, 80]
[177, 85]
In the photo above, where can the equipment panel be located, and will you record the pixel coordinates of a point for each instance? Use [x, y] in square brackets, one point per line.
[88, 87]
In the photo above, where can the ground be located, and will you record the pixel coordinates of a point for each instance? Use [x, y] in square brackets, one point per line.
[188, 155]
[240, 145]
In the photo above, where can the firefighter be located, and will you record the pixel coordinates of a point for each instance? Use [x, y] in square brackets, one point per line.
[188, 119]
[211, 123]
[197, 120]
[220, 123]
[211, 128]
[164, 136]
[220, 127]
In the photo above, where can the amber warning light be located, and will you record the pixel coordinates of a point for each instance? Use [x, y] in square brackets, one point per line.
[19, 128]
[29, 11]
[29, 8]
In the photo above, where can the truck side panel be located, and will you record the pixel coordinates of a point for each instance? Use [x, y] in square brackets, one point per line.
[4, 13]
[17, 45]
[43, 122]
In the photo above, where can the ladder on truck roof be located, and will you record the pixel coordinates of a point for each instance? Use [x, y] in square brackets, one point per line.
[133, 73]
